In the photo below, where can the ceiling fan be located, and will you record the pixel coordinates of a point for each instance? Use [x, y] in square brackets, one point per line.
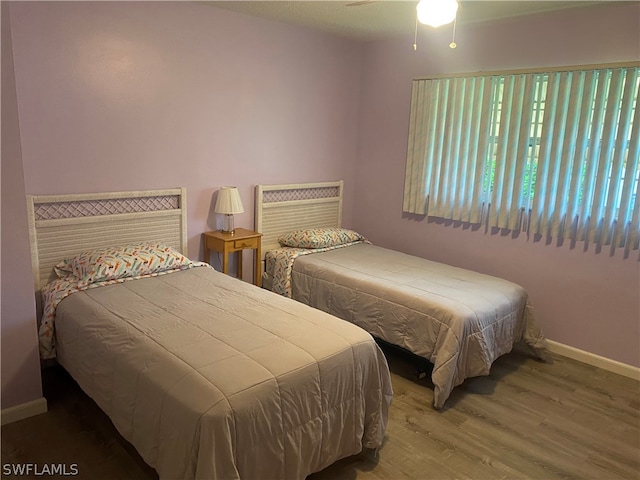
[434, 13]
[361, 2]
[430, 12]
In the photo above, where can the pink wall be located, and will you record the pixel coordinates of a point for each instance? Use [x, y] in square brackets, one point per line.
[135, 95]
[19, 342]
[585, 300]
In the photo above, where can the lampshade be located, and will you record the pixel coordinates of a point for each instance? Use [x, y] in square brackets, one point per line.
[437, 12]
[228, 201]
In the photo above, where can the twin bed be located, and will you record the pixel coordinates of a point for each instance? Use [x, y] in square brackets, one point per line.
[210, 377]
[205, 375]
[458, 320]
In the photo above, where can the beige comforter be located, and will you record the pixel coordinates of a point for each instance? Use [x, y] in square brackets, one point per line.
[458, 319]
[210, 377]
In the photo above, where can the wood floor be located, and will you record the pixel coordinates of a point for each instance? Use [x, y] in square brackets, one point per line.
[527, 420]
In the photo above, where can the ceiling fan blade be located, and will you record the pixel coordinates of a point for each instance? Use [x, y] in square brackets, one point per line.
[360, 3]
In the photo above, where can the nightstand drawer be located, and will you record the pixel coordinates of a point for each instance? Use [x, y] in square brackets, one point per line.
[245, 243]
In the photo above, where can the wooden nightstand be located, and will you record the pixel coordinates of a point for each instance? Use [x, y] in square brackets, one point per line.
[227, 243]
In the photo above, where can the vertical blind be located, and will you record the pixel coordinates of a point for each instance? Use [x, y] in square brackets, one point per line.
[552, 153]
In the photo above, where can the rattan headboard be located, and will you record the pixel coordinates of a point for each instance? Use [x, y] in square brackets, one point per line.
[283, 208]
[65, 225]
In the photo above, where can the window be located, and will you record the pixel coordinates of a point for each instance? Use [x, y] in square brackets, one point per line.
[553, 153]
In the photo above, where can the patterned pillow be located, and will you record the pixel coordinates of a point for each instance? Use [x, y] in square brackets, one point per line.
[319, 237]
[121, 262]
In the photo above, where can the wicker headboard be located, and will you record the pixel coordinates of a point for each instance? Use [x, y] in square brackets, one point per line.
[283, 208]
[65, 225]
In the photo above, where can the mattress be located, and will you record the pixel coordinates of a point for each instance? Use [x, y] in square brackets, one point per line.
[459, 320]
[210, 377]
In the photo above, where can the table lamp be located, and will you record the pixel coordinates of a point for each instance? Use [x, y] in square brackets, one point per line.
[228, 203]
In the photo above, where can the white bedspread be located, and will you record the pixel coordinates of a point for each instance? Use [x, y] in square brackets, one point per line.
[458, 319]
[210, 377]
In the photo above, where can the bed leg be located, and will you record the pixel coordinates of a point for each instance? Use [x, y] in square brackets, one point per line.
[420, 374]
[370, 455]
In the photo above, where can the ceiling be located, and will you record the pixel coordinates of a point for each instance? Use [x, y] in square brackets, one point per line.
[376, 19]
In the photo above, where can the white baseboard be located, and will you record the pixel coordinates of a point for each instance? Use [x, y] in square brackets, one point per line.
[24, 410]
[595, 360]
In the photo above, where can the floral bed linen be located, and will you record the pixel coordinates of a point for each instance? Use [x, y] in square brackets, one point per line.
[459, 320]
[210, 377]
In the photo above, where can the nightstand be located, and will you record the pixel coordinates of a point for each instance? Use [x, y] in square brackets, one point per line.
[227, 243]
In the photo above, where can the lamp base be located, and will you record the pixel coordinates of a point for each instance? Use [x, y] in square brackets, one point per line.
[227, 226]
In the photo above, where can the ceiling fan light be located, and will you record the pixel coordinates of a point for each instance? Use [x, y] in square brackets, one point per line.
[436, 13]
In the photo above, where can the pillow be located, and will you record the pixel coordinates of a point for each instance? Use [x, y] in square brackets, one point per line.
[123, 261]
[319, 237]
